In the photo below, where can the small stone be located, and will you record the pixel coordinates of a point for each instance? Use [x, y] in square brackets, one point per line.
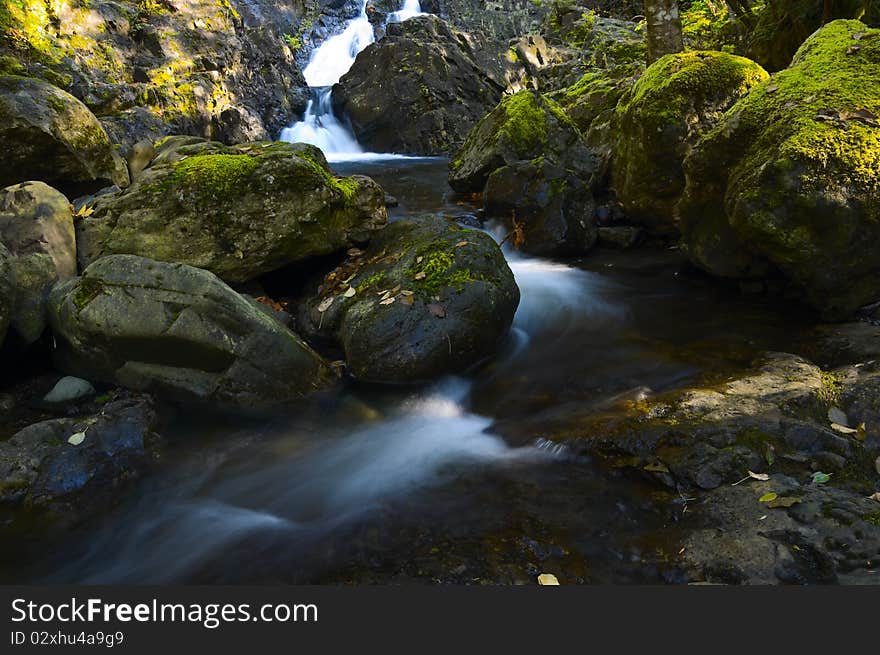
[836, 415]
[69, 389]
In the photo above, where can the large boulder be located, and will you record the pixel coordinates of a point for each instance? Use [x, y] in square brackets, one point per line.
[74, 467]
[7, 290]
[427, 298]
[236, 211]
[418, 90]
[177, 331]
[534, 170]
[36, 225]
[49, 135]
[677, 99]
[790, 178]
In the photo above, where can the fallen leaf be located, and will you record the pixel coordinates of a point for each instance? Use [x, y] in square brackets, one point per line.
[420, 275]
[821, 478]
[419, 260]
[861, 432]
[461, 244]
[76, 439]
[783, 502]
[772, 88]
[350, 292]
[875, 496]
[325, 304]
[85, 211]
[548, 579]
[407, 292]
[837, 415]
[853, 49]
[837, 427]
[658, 467]
[355, 252]
[858, 36]
[758, 476]
[437, 310]
[387, 301]
[766, 498]
[763, 517]
[408, 300]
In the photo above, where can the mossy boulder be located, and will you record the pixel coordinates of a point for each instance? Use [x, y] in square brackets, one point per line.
[49, 135]
[179, 332]
[419, 90]
[534, 169]
[36, 225]
[677, 99]
[7, 290]
[790, 178]
[427, 298]
[237, 211]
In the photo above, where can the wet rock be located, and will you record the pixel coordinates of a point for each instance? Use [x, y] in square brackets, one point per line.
[177, 331]
[51, 136]
[679, 98]
[417, 91]
[36, 225]
[532, 166]
[623, 236]
[139, 158]
[427, 298]
[69, 389]
[237, 211]
[763, 194]
[72, 468]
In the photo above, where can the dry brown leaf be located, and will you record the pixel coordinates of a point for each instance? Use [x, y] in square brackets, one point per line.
[325, 304]
[407, 292]
[837, 427]
[875, 496]
[421, 275]
[461, 244]
[387, 301]
[419, 260]
[408, 300]
[758, 476]
[350, 292]
[437, 310]
[355, 252]
[548, 580]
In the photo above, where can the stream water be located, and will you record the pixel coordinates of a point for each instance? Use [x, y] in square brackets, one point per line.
[464, 481]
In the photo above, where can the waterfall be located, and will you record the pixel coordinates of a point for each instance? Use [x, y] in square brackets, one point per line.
[328, 63]
[410, 8]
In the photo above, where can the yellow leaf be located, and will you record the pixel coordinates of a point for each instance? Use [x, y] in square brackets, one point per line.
[548, 580]
[766, 498]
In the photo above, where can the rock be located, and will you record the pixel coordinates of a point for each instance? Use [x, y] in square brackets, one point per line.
[533, 167]
[788, 180]
[49, 135]
[622, 236]
[417, 91]
[46, 467]
[427, 298]
[69, 389]
[139, 158]
[679, 98]
[236, 211]
[7, 290]
[36, 225]
[180, 332]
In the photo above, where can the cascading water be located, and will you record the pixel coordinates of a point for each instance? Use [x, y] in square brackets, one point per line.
[328, 63]
[410, 9]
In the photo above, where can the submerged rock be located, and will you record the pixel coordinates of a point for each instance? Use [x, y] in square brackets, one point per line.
[426, 299]
[180, 332]
[533, 168]
[678, 98]
[36, 225]
[236, 211]
[74, 467]
[417, 91]
[49, 135]
[789, 178]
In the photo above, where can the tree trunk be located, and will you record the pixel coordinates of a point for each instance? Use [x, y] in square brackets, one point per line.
[664, 28]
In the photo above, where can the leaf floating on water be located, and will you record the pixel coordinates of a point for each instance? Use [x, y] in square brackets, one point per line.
[437, 310]
[766, 498]
[821, 478]
[76, 439]
[350, 292]
[387, 301]
[758, 476]
[837, 415]
[421, 275]
[548, 580]
[325, 304]
[783, 502]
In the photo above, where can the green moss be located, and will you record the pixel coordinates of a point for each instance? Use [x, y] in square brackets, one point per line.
[526, 115]
[873, 519]
[440, 270]
[832, 385]
[87, 290]
[213, 176]
[370, 281]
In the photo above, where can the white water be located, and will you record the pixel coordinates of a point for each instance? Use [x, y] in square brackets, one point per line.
[410, 9]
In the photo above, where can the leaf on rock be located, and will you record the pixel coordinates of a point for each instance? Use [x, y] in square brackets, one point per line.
[821, 478]
[421, 275]
[407, 292]
[76, 439]
[387, 301]
[408, 300]
[419, 260]
[325, 304]
[837, 427]
[875, 496]
[350, 292]
[437, 310]
[548, 580]
[758, 476]
[461, 244]
[783, 502]
[355, 252]
[766, 498]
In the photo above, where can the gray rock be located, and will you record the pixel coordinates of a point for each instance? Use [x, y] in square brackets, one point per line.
[180, 332]
[139, 158]
[69, 389]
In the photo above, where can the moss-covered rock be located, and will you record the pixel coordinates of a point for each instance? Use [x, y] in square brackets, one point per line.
[180, 332]
[790, 178]
[237, 211]
[534, 169]
[49, 135]
[36, 225]
[427, 298]
[679, 98]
